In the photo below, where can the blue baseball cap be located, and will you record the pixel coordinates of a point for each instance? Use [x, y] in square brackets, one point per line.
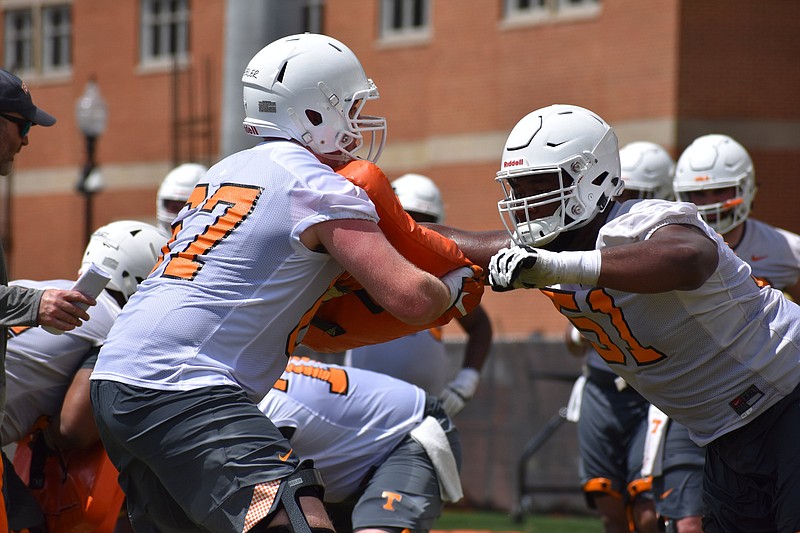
[15, 97]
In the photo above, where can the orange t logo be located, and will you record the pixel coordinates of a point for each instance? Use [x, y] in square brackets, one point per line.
[391, 497]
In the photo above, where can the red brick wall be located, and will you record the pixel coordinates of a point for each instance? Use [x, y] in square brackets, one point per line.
[668, 60]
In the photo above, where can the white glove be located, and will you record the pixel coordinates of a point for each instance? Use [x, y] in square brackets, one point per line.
[459, 391]
[523, 267]
[455, 282]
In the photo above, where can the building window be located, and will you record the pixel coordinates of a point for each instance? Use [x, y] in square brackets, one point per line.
[405, 18]
[164, 31]
[548, 10]
[38, 39]
[56, 38]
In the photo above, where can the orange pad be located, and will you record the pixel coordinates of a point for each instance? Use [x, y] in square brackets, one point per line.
[351, 318]
[79, 492]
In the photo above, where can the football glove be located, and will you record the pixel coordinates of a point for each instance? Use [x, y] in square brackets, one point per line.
[459, 391]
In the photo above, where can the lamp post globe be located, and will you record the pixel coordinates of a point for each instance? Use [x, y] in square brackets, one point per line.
[92, 116]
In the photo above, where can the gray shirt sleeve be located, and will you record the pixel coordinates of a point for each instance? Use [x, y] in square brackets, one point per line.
[19, 306]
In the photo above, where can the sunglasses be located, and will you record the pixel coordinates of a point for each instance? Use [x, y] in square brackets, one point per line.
[23, 124]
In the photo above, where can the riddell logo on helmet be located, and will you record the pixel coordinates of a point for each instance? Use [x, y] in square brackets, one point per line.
[251, 130]
[513, 163]
[702, 178]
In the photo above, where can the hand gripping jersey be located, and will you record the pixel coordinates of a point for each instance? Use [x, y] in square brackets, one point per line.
[235, 288]
[40, 366]
[712, 358]
[348, 317]
[346, 419]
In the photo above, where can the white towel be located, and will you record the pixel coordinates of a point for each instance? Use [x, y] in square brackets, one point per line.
[430, 435]
[654, 442]
[575, 398]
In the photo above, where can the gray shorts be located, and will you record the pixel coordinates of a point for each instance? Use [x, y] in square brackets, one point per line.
[611, 433]
[752, 474]
[403, 491]
[188, 460]
[678, 492]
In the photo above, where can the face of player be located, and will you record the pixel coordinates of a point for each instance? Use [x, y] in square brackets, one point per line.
[421, 217]
[542, 191]
[712, 196]
[173, 207]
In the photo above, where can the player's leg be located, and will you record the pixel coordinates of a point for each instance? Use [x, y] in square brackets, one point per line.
[602, 452]
[639, 490]
[752, 474]
[205, 457]
[679, 489]
[403, 492]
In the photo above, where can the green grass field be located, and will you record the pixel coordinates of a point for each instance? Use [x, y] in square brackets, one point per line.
[497, 521]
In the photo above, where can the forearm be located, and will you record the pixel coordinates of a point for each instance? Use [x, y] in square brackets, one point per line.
[477, 246]
[479, 338]
[19, 306]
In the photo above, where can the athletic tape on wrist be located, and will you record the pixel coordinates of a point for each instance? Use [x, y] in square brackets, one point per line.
[577, 267]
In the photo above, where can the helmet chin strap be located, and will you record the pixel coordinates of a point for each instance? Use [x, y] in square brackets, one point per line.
[306, 138]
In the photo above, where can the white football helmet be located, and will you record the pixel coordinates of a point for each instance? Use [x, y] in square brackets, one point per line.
[127, 250]
[647, 168]
[312, 88]
[419, 194]
[572, 143]
[176, 186]
[717, 162]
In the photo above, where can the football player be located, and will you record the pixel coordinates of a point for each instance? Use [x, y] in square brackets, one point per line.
[266, 232]
[421, 358]
[175, 189]
[716, 173]
[665, 301]
[367, 434]
[47, 376]
[612, 417]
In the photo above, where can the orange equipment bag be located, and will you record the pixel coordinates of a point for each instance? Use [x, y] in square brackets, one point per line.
[76, 489]
[348, 317]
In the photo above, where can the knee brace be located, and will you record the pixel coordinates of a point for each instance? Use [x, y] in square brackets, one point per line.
[305, 481]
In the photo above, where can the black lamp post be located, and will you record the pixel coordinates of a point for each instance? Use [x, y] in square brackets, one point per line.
[91, 113]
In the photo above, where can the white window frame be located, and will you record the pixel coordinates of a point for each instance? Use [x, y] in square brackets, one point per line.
[407, 30]
[36, 42]
[162, 22]
[56, 37]
[547, 11]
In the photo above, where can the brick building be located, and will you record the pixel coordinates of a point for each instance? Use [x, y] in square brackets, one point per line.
[454, 76]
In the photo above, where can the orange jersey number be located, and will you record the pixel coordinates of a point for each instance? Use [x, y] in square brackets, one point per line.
[237, 201]
[601, 302]
[336, 378]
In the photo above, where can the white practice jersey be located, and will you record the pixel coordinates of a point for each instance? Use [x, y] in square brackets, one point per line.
[40, 365]
[234, 292]
[419, 358]
[772, 253]
[346, 419]
[711, 358]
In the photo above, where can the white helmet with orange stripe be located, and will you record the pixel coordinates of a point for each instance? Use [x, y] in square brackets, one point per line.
[712, 163]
